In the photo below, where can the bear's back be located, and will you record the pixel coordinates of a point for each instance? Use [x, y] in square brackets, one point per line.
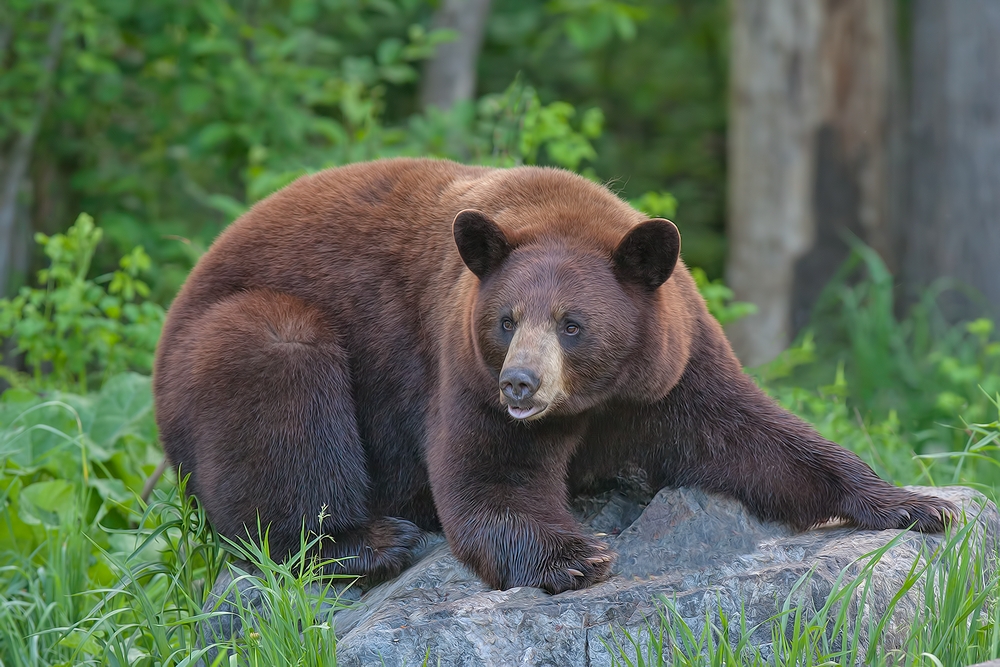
[348, 238]
[326, 232]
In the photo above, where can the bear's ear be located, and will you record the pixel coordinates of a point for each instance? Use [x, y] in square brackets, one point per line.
[648, 254]
[481, 243]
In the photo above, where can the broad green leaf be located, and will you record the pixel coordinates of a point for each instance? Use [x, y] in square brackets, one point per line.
[48, 503]
[85, 642]
[194, 97]
[123, 407]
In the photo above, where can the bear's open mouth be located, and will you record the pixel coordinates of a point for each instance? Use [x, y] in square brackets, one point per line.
[524, 413]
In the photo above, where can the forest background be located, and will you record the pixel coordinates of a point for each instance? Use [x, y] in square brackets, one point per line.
[837, 163]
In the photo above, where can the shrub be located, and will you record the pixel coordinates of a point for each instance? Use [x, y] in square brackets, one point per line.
[77, 331]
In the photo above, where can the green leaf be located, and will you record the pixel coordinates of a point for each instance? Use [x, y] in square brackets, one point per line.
[49, 503]
[123, 407]
[214, 134]
[85, 642]
[228, 206]
[194, 97]
[389, 51]
[110, 489]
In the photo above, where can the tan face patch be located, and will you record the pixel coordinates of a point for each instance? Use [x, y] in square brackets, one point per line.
[536, 347]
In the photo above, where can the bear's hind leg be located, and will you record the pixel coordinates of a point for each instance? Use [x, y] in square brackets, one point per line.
[722, 433]
[276, 439]
[748, 447]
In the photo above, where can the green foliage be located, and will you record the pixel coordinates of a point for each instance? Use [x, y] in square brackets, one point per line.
[982, 449]
[506, 129]
[91, 575]
[656, 204]
[72, 327]
[904, 378]
[657, 70]
[591, 24]
[719, 298]
[170, 118]
[67, 453]
[293, 624]
[167, 111]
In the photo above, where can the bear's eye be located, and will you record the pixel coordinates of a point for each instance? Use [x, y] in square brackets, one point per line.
[507, 324]
[571, 328]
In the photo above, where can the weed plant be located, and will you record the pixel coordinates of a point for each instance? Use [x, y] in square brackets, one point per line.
[75, 331]
[900, 391]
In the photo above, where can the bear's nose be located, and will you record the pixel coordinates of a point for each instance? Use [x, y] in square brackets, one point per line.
[518, 384]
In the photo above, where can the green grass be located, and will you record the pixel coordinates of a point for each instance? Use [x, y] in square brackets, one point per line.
[909, 382]
[92, 575]
[53, 611]
[957, 620]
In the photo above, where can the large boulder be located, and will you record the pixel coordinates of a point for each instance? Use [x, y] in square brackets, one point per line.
[704, 553]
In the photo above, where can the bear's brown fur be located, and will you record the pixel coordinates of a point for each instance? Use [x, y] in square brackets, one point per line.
[419, 344]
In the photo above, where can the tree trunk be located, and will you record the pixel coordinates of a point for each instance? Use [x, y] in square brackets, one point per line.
[15, 164]
[809, 154]
[953, 218]
[450, 76]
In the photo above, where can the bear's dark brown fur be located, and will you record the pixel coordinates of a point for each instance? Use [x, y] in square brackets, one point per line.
[416, 343]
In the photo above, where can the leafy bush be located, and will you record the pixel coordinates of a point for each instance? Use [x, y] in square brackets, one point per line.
[719, 298]
[72, 328]
[70, 456]
[890, 386]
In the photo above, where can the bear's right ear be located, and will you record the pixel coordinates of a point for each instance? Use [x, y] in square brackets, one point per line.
[481, 243]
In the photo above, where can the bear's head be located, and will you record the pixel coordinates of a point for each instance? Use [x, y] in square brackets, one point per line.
[557, 317]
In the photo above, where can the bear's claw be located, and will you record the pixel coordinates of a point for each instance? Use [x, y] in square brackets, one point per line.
[928, 514]
[578, 563]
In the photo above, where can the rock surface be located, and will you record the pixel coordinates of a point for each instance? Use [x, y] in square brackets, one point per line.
[703, 552]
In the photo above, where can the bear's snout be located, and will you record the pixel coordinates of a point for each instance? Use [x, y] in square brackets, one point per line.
[518, 384]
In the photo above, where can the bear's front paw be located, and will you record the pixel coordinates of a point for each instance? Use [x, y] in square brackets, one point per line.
[577, 563]
[928, 514]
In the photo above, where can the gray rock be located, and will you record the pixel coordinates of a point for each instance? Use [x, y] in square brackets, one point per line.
[704, 553]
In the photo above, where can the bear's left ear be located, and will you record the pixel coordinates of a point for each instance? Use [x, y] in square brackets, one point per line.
[481, 243]
[648, 254]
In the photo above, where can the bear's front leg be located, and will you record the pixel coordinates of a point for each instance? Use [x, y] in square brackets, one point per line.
[500, 492]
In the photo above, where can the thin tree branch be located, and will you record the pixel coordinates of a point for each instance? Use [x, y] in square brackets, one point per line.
[147, 488]
[6, 33]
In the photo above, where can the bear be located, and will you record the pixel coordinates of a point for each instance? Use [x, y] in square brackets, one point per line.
[412, 345]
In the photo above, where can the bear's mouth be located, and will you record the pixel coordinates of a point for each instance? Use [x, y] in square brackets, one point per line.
[526, 412]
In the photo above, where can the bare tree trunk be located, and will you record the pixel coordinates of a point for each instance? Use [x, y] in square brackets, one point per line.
[809, 154]
[17, 162]
[450, 76]
[6, 33]
[854, 145]
[774, 104]
[954, 214]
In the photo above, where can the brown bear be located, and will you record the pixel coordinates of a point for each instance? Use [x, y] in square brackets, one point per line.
[415, 344]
